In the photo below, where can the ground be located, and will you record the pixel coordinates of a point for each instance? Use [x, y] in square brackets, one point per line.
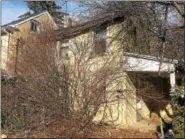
[121, 133]
[140, 130]
[113, 133]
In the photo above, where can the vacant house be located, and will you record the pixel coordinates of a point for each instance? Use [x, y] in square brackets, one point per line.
[99, 39]
[13, 32]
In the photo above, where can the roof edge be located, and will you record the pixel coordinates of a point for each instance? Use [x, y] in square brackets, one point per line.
[31, 17]
[154, 58]
[44, 12]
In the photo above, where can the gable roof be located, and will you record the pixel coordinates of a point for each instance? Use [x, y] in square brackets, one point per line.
[69, 32]
[22, 20]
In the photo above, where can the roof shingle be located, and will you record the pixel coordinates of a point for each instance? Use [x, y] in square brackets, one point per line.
[21, 19]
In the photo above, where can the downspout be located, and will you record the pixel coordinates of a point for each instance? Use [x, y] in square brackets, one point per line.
[16, 57]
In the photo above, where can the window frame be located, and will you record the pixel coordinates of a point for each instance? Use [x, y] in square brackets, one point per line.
[35, 26]
[60, 52]
[100, 34]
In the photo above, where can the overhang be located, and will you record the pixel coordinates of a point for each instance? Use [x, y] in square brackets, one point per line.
[145, 63]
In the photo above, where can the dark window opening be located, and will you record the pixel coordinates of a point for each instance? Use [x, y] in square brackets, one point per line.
[100, 36]
[35, 26]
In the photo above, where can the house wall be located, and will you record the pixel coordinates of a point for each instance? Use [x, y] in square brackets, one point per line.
[4, 51]
[24, 31]
[121, 110]
[145, 112]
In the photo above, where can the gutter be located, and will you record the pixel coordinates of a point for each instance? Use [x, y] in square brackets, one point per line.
[148, 57]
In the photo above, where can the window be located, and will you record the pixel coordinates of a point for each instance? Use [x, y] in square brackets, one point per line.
[63, 53]
[100, 40]
[35, 26]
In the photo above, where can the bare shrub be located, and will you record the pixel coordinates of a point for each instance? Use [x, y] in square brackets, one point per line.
[68, 93]
[36, 62]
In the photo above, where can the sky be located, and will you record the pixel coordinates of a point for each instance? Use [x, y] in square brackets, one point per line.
[11, 10]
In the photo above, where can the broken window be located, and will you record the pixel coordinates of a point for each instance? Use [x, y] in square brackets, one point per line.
[100, 40]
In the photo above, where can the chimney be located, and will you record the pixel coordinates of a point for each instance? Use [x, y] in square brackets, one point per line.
[69, 22]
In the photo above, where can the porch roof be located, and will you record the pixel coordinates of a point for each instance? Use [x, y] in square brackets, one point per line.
[145, 63]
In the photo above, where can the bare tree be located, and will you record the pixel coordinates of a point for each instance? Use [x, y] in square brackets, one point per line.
[148, 26]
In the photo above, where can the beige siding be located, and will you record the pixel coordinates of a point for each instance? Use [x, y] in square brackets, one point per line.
[120, 112]
[4, 51]
[145, 113]
[24, 31]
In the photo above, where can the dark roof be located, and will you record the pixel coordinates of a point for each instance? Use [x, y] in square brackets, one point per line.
[16, 21]
[69, 32]
[22, 19]
[9, 29]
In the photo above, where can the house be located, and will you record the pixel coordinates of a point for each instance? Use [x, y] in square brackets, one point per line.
[101, 39]
[12, 32]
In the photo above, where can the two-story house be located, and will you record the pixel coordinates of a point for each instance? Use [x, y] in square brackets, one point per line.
[12, 32]
[95, 46]
[99, 43]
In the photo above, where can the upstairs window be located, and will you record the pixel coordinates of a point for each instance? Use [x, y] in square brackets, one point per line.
[100, 36]
[63, 53]
[35, 26]
[63, 48]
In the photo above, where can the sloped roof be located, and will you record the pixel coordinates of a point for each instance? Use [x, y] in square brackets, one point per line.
[22, 20]
[69, 32]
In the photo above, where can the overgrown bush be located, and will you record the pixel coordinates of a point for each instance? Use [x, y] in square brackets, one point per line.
[26, 108]
[42, 94]
[179, 113]
[13, 98]
[30, 100]
[62, 93]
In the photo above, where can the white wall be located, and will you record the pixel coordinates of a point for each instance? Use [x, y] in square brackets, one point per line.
[4, 51]
[145, 65]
